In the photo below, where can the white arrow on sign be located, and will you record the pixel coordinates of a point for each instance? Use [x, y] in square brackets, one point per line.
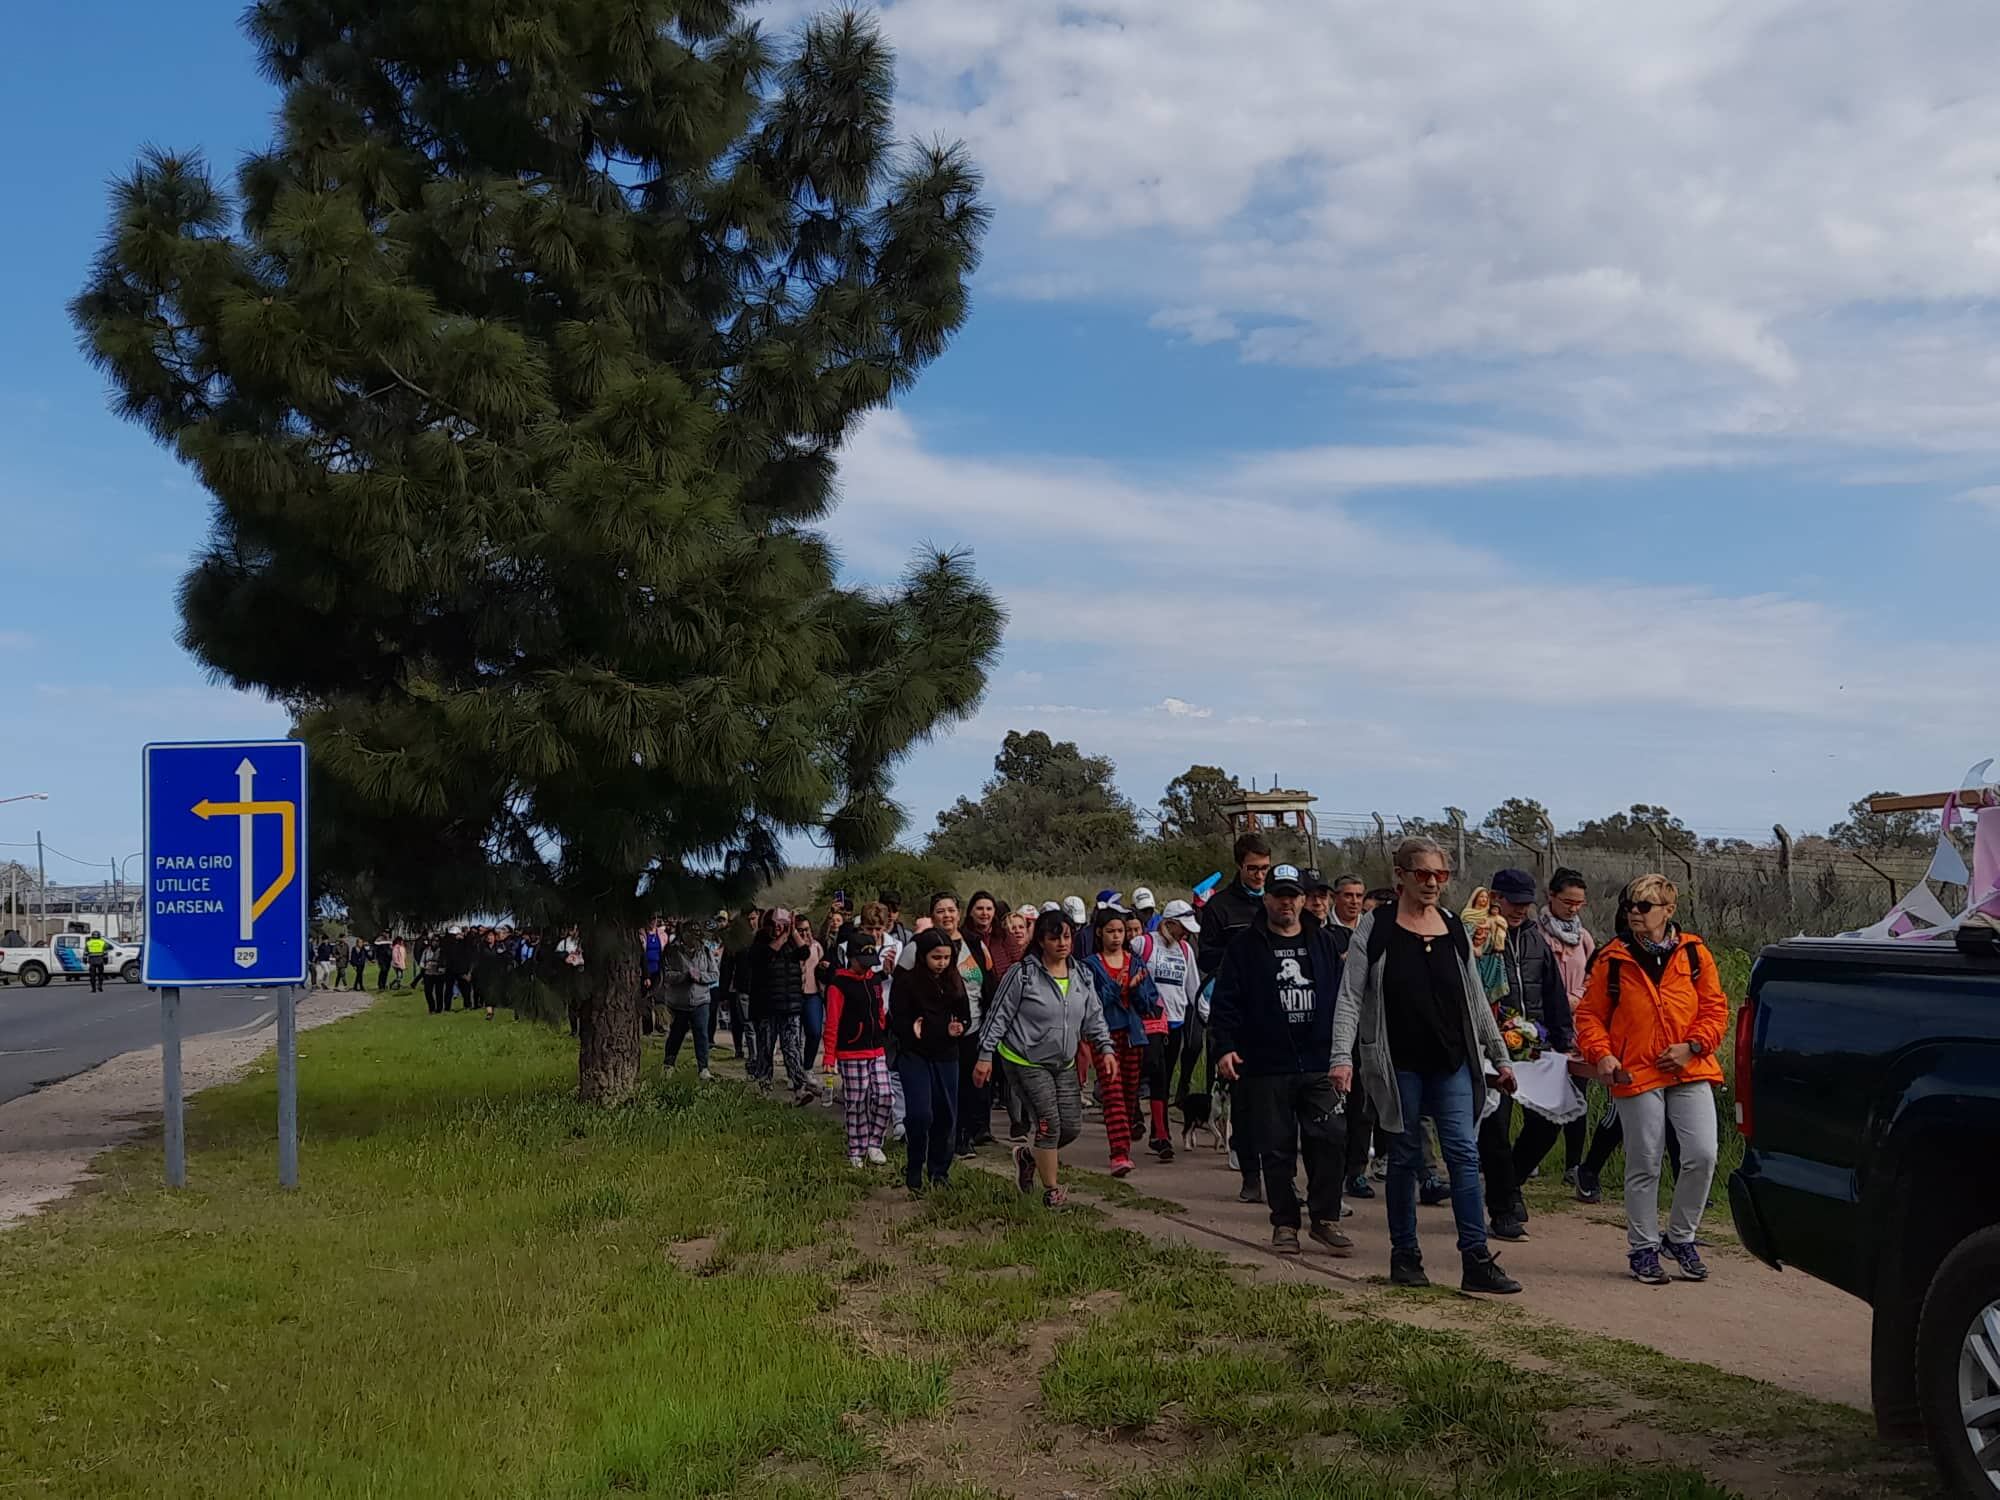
[246, 884]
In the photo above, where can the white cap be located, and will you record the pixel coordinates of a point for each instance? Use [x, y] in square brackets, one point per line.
[1181, 912]
[1142, 900]
[1030, 910]
[1052, 906]
[1075, 910]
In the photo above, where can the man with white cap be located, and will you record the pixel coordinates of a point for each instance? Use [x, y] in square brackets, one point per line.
[1147, 908]
[1273, 1039]
[1079, 921]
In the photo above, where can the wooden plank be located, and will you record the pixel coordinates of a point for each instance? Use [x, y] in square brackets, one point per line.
[1922, 802]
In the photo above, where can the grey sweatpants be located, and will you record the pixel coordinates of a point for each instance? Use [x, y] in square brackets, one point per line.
[1054, 1097]
[1691, 1108]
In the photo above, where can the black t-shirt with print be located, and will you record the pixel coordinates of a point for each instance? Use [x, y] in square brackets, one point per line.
[1293, 960]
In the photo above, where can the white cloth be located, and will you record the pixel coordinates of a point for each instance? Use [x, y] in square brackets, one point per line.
[1545, 1087]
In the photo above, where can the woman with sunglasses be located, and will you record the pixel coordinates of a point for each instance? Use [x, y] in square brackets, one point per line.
[1413, 1028]
[1652, 1018]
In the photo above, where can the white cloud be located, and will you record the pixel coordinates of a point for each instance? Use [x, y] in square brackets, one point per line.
[1744, 217]
[1358, 645]
[1199, 325]
[1986, 496]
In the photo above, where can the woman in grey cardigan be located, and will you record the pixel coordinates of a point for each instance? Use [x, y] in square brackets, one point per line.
[1413, 1023]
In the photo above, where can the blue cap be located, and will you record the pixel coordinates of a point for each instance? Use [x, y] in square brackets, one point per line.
[1513, 885]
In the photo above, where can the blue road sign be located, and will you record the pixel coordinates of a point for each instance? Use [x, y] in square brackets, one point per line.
[226, 864]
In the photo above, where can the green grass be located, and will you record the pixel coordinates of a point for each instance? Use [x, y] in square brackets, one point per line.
[471, 1293]
[1270, 1476]
[1263, 1359]
[484, 1288]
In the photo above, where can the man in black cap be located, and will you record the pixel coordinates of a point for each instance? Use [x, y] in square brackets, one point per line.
[1535, 989]
[1271, 1033]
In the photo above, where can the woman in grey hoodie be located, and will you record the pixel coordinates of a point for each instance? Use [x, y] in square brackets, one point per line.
[1045, 1009]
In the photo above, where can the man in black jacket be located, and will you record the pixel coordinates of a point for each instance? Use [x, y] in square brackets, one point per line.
[1225, 915]
[1536, 989]
[1271, 1033]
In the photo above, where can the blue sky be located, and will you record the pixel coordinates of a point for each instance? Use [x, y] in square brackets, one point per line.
[1427, 404]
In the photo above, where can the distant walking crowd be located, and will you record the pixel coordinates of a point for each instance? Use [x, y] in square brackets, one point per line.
[462, 963]
[1293, 1021]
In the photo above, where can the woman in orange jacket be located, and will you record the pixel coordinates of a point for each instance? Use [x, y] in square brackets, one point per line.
[1651, 1020]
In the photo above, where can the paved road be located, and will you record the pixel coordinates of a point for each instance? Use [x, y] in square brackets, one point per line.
[61, 1029]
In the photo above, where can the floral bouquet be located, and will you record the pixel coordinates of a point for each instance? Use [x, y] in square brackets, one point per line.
[1523, 1037]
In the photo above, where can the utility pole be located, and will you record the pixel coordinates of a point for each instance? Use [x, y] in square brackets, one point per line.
[41, 931]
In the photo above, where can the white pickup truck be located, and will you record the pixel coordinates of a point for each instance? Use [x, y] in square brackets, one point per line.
[63, 958]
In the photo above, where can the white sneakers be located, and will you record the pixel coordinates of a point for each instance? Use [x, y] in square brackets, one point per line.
[875, 1155]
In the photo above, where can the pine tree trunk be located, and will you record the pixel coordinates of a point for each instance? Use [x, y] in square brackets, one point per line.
[608, 1058]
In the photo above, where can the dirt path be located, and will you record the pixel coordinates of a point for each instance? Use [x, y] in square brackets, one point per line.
[1780, 1327]
[49, 1138]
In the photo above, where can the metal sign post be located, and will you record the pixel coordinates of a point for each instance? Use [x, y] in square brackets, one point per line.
[219, 820]
[288, 1087]
[170, 1072]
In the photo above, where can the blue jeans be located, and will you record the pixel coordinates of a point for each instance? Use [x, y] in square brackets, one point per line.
[930, 1115]
[1447, 1099]
[686, 1023]
[815, 1023]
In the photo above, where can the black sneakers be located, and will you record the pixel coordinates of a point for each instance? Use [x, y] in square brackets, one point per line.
[1285, 1240]
[1406, 1268]
[1331, 1236]
[1483, 1274]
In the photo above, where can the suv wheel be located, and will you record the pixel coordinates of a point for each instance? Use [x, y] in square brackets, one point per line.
[1958, 1365]
[130, 973]
[34, 976]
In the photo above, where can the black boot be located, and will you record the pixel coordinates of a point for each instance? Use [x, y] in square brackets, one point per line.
[1406, 1268]
[1483, 1274]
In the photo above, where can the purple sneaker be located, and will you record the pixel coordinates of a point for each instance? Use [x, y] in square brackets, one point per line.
[1690, 1260]
[1646, 1267]
[1024, 1168]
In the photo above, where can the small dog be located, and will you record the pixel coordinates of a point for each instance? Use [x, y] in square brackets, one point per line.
[1205, 1115]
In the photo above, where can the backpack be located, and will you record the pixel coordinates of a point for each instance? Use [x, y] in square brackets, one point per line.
[1692, 950]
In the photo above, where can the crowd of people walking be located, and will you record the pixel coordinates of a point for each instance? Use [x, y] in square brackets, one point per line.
[1291, 1021]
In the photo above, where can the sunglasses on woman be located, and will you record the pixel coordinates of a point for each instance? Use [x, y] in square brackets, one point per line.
[1643, 908]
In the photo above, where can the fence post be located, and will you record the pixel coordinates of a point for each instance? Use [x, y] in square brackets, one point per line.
[1382, 848]
[1785, 864]
[1555, 853]
[1458, 828]
[1894, 894]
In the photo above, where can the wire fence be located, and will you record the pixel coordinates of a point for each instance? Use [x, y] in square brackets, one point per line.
[1735, 892]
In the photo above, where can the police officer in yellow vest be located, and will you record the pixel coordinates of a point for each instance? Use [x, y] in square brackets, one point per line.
[96, 954]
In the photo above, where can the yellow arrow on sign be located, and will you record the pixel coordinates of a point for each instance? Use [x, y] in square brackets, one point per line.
[287, 872]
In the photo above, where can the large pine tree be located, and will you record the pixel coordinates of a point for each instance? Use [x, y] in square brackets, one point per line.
[516, 369]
